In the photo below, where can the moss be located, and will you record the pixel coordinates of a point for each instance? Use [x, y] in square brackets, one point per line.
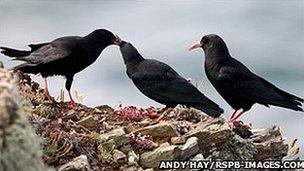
[21, 149]
[49, 150]
[105, 151]
[95, 137]
[46, 111]
[126, 148]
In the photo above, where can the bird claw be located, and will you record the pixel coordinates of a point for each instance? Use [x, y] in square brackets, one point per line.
[72, 104]
[160, 118]
[162, 113]
[47, 96]
[231, 122]
[236, 124]
[241, 129]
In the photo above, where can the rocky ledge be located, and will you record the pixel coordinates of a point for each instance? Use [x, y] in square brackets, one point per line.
[122, 138]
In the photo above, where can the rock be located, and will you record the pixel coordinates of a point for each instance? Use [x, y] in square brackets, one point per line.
[189, 149]
[105, 150]
[198, 157]
[215, 132]
[118, 135]
[88, 122]
[241, 129]
[212, 138]
[210, 127]
[106, 147]
[150, 169]
[8, 110]
[165, 151]
[269, 143]
[1, 64]
[104, 109]
[118, 155]
[145, 122]
[71, 114]
[163, 131]
[79, 163]
[184, 126]
[132, 168]
[126, 148]
[46, 111]
[133, 158]
[192, 115]
[178, 140]
[107, 126]
[20, 147]
[151, 159]
[217, 140]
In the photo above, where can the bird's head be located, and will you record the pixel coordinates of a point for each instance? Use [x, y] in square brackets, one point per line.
[128, 51]
[105, 36]
[212, 44]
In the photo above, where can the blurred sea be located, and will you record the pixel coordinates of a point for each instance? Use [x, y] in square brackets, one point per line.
[267, 36]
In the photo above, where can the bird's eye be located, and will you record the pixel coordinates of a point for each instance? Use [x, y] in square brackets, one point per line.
[205, 40]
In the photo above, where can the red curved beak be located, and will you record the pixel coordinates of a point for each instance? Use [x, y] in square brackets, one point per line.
[117, 41]
[195, 46]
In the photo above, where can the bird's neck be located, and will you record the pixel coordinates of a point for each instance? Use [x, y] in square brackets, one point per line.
[214, 61]
[217, 52]
[216, 55]
[95, 44]
[132, 60]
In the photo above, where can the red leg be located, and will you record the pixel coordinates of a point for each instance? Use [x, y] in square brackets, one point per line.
[72, 102]
[235, 123]
[232, 115]
[46, 90]
[238, 116]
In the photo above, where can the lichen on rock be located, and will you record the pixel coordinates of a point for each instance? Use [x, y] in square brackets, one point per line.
[19, 145]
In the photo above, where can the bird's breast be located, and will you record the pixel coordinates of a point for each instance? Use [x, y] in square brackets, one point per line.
[212, 71]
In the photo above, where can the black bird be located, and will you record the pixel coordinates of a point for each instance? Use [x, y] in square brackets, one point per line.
[237, 84]
[63, 56]
[161, 83]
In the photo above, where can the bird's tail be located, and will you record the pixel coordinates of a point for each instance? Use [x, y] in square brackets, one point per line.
[288, 101]
[213, 112]
[210, 108]
[14, 53]
[281, 98]
[26, 68]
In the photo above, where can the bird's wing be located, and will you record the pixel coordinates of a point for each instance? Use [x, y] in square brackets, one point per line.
[165, 84]
[242, 82]
[37, 46]
[48, 53]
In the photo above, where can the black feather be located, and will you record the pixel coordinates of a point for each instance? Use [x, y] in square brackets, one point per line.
[237, 84]
[64, 56]
[14, 52]
[161, 83]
